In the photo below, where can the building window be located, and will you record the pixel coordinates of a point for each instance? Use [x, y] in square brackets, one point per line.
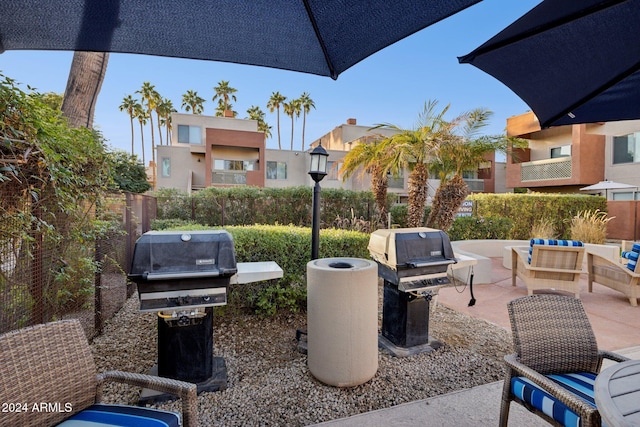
[166, 167]
[563, 151]
[276, 170]
[189, 134]
[234, 165]
[626, 149]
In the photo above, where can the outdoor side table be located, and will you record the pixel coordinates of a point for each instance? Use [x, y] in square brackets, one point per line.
[617, 394]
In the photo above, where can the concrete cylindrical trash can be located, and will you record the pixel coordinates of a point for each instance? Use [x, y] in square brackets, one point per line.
[342, 320]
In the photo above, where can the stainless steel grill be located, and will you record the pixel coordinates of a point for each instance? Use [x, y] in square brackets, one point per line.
[414, 259]
[414, 263]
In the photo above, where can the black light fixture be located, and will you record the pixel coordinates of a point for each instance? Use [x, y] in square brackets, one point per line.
[317, 170]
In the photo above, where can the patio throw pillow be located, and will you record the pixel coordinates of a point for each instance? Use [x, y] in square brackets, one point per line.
[632, 256]
[553, 242]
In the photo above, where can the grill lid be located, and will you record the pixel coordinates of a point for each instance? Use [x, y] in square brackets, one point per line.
[166, 255]
[409, 248]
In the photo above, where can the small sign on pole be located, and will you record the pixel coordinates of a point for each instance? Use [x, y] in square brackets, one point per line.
[465, 209]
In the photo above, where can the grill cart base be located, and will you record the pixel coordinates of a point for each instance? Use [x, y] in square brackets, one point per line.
[405, 323]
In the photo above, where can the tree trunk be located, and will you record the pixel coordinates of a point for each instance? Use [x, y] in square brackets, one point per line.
[83, 86]
[379, 186]
[448, 199]
[418, 179]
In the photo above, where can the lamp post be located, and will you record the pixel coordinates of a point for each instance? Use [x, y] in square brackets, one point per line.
[318, 171]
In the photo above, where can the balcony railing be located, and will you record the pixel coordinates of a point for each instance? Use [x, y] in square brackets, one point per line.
[549, 169]
[229, 178]
[475, 185]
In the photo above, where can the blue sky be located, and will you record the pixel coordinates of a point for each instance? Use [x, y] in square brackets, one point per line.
[390, 86]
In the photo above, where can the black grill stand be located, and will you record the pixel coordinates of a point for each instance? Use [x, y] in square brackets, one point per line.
[185, 352]
[405, 323]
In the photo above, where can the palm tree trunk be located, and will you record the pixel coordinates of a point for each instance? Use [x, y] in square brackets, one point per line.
[448, 199]
[291, 132]
[278, 116]
[132, 136]
[83, 86]
[379, 186]
[142, 141]
[304, 124]
[159, 127]
[417, 184]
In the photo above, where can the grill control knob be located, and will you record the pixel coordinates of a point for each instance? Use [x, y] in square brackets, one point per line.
[185, 237]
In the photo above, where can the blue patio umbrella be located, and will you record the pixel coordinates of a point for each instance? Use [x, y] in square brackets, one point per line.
[570, 61]
[323, 37]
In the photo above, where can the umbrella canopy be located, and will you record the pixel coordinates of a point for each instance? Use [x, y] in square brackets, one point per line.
[570, 61]
[323, 37]
[607, 185]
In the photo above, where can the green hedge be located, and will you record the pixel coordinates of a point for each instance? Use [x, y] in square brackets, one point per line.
[290, 247]
[473, 228]
[524, 210]
[252, 205]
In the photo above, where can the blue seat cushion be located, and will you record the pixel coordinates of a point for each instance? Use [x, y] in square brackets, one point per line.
[104, 415]
[632, 256]
[551, 242]
[580, 384]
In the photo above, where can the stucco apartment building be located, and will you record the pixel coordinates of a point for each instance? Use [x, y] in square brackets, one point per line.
[224, 151]
[567, 158]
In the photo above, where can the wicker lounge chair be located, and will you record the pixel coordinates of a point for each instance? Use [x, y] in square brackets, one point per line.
[624, 278]
[550, 264]
[555, 362]
[52, 365]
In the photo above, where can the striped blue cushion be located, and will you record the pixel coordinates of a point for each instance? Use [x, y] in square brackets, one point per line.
[552, 242]
[580, 384]
[632, 256]
[104, 415]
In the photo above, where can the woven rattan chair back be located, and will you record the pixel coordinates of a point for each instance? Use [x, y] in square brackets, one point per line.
[50, 364]
[552, 334]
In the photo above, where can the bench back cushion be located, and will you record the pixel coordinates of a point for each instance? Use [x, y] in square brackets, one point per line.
[48, 364]
[552, 242]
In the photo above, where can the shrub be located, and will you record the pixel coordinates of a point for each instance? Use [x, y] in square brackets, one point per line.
[543, 229]
[472, 228]
[590, 227]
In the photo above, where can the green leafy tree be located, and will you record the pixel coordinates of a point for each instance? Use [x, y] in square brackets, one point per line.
[221, 108]
[274, 103]
[306, 103]
[192, 102]
[224, 93]
[128, 104]
[128, 173]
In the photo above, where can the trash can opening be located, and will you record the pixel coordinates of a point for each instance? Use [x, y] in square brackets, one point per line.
[341, 264]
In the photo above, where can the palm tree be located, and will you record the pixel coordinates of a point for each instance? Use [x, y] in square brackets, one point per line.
[221, 108]
[164, 109]
[413, 150]
[274, 103]
[370, 156]
[224, 92]
[83, 86]
[192, 102]
[307, 104]
[150, 96]
[256, 113]
[292, 109]
[465, 150]
[141, 114]
[128, 105]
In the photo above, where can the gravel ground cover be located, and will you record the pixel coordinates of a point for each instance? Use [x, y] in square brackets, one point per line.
[268, 380]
